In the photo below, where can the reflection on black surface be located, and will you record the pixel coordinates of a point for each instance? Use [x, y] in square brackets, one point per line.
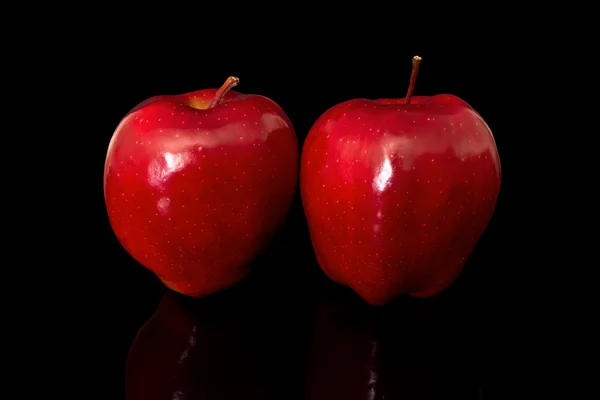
[194, 349]
[399, 352]
[265, 345]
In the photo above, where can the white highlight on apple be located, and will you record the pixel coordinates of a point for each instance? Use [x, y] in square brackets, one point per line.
[161, 168]
[382, 180]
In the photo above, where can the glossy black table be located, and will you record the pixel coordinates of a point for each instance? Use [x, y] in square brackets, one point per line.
[311, 339]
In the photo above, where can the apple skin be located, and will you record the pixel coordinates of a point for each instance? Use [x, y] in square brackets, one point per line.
[194, 192]
[191, 350]
[397, 195]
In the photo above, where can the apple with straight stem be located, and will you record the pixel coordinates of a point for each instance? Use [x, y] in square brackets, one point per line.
[195, 185]
[397, 192]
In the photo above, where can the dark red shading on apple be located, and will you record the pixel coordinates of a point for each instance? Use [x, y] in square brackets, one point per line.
[196, 184]
[397, 192]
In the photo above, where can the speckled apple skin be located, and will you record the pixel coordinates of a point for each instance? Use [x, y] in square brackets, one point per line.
[194, 193]
[397, 195]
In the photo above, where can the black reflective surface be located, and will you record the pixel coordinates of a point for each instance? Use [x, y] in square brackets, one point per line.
[311, 339]
[242, 345]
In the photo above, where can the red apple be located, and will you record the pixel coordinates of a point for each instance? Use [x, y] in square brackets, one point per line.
[188, 350]
[196, 184]
[397, 192]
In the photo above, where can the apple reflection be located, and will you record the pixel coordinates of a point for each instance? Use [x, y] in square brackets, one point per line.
[196, 349]
[359, 352]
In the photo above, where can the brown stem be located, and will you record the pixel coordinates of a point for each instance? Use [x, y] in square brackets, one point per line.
[413, 78]
[231, 82]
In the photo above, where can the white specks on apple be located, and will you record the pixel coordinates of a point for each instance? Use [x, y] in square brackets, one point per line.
[163, 205]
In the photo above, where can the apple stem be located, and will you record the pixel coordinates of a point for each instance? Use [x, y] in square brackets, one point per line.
[231, 82]
[413, 78]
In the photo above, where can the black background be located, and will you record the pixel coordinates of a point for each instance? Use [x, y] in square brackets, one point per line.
[472, 341]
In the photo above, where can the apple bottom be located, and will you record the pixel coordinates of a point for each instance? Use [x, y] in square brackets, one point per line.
[439, 286]
[382, 291]
[186, 287]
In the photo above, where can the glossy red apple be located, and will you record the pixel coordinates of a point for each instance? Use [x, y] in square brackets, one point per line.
[196, 184]
[397, 192]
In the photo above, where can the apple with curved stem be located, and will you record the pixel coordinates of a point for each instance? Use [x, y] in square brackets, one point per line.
[196, 184]
[397, 192]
